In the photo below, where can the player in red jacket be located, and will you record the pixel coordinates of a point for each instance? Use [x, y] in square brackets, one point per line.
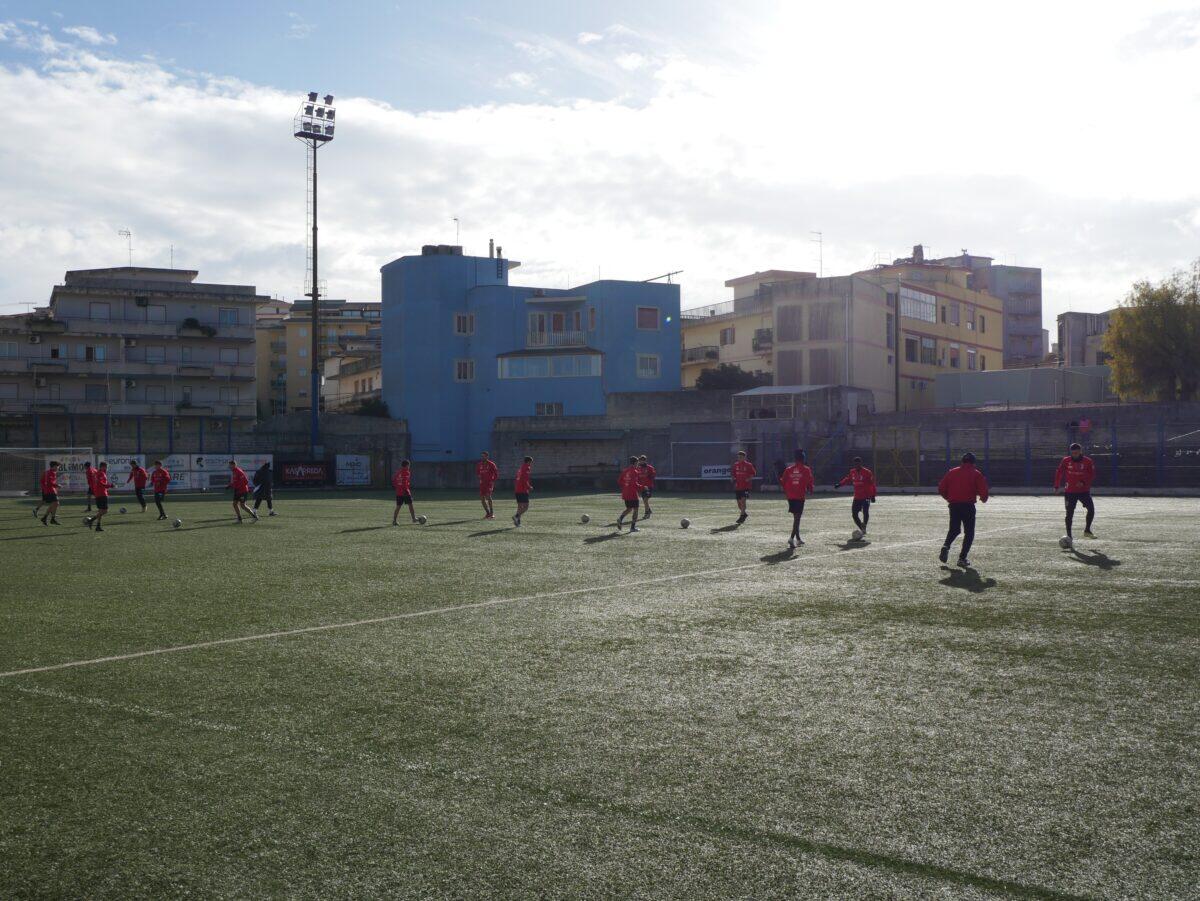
[488, 474]
[138, 476]
[522, 488]
[646, 483]
[1074, 478]
[630, 483]
[960, 488]
[240, 484]
[402, 482]
[49, 486]
[743, 473]
[89, 473]
[796, 482]
[160, 479]
[863, 481]
[100, 486]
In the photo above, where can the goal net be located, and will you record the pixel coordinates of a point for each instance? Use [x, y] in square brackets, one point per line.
[21, 468]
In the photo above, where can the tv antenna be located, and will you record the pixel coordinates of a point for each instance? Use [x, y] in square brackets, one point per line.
[128, 236]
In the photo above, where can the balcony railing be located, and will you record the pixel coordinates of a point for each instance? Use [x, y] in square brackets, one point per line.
[557, 339]
[764, 339]
[133, 408]
[701, 353]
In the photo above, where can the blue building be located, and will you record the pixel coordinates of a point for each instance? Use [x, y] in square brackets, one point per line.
[462, 346]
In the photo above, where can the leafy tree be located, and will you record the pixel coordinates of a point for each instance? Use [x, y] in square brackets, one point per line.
[730, 376]
[1153, 339]
[373, 406]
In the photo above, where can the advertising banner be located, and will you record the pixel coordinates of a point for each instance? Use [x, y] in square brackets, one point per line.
[71, 475]
[353, 469]
[714, 472]
[303, 473]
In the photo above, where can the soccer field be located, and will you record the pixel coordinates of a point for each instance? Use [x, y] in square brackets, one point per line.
[323, 705]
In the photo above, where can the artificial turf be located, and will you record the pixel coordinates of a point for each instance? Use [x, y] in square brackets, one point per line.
[669, 714]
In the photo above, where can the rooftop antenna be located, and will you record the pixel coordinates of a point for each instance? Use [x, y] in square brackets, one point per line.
[172, 256]
[456, 229]
[666, 275]
[820, 242]
[128, 236]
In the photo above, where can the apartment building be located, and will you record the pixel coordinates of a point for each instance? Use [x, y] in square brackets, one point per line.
[133, 341]
[354, 373]
[739, 331]
[1020, 290]
[271, 357]
[889, 330]
[1081, 338]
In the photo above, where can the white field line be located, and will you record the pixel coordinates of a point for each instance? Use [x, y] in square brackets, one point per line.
[457, 608]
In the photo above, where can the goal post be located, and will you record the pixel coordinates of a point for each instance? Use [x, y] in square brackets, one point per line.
[22, 467]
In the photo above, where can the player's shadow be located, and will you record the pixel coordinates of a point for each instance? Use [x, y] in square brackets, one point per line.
[453, 522]
[732, 527]
[1095, 558]
[967, 579]
[781, 557]
[39, 535]
[854, 545]
[491, 532]
[363, 529]
[606, 537]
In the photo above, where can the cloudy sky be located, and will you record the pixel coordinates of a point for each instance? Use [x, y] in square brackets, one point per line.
[621, 138]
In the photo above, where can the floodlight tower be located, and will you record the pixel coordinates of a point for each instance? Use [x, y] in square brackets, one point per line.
[313, 125]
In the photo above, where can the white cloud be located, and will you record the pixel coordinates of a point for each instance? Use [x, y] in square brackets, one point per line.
[90, 35]
[630, 62]
[588, 37]
[1079, 160]
[298, 28]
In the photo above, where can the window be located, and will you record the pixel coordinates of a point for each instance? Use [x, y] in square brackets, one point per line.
[591, 319]
[821, 367]
[227, 316]
[229, 395]
[302, 352]
[185, 395]
[647, 366]
[647, 318]
[8, 349]
[464, 323]
[952, 310]
[156, 394]
[823, 320]
[728, 336]
[982, 323]
[910, 350]
[302, 332]
[917, 305]
[95, 393]
[302, 373]
[556, 366]
[791, 325]
[789, 367]
[156, 353]
[548, 408]
[58, 351]
[982, 362]
[156, 313]
[577, 320]
[891, 299]
[229, 355]
[464, 370]
[970, 319]
[98, 310]
[185, 353]
[92, 353]
[929, 351]
[891, 331]
[8, 390]
[971, 359]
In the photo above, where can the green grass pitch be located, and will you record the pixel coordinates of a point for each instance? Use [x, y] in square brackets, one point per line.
[670, 714]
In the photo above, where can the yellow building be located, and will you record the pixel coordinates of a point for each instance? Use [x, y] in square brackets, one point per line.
[890, 330]
[738, 331]
[271, 357]
[353, 374]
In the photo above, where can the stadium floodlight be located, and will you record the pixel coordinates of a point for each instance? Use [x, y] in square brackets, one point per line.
[313, 124]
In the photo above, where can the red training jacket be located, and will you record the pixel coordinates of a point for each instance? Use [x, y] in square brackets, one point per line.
[100, 484]
[1075, 476]
[487, 471]
[743, 475]
[524, 483]
[238, 481]
[137, 475]
[796, 481]
[402, 481]
[161, 479]
[50, 482]
[963, 484]
[647, 476]
[629, 481]
[864, 483]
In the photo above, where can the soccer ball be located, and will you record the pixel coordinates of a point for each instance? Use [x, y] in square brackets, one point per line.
[1065, 542]
[177, 523]
[422, 520]
[856, 535]
[684, 523]
[585, 519]
[87, 520]
[123, 510]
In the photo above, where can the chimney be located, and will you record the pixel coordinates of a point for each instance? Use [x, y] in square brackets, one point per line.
[491, 247]
[499, 252]
[918, 253]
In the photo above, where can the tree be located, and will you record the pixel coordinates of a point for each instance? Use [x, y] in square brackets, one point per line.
[1153, 339]
[373, 406]
[730, 376]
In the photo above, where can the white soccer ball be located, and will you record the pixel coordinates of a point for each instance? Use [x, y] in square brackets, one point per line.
[1065, 542]
[422, 520]
[177, 523]
[87, 520]
[684, 523]
[585, 519]
[123, 510]
[856, 535]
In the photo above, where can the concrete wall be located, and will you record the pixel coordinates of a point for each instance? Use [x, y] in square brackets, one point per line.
[1024, 387]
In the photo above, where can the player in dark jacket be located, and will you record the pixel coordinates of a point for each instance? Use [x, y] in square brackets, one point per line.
[263, 483]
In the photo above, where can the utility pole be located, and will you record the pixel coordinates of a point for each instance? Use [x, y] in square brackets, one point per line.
[820, 242]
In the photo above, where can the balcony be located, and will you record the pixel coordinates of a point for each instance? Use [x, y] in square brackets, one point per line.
[701, 354]
[764, 340]
[119, 408]
[557, 339]
[279, 347]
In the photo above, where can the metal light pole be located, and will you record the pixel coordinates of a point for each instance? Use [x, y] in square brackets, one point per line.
[313, 125]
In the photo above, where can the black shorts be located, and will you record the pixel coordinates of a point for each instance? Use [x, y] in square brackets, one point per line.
[159, 495]
[1078, 497]
[238, 498]
[402, 499]
[522, 497]
[49, 498]
[795, 506]
[101, 503]
[630, 502]
[263, 494]
[647, 493]
[739, 495]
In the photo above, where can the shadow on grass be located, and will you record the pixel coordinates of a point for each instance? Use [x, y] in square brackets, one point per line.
[1095, 558]
[854, 544]
[363, 529]
[732, 527]
[967, 579]
[782, 557]
[598, 538]
[36, 535]
[453, 522]
[491, 532]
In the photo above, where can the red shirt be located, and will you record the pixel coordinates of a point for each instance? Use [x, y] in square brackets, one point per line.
[797, 481]
[50, 481]
[524, 484]
[629, 481]
[402, 482]
[487, 471]
[1075, 476]
[963, 484]
[238, 481]
[743, 475]
[864, 483]
[90, 475]
[646, 479]
[161, 478]
[100, 484]
[138, 476]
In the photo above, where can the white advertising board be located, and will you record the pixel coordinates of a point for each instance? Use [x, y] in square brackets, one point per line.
[714, 472]
[353, 469]
[71, 474]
